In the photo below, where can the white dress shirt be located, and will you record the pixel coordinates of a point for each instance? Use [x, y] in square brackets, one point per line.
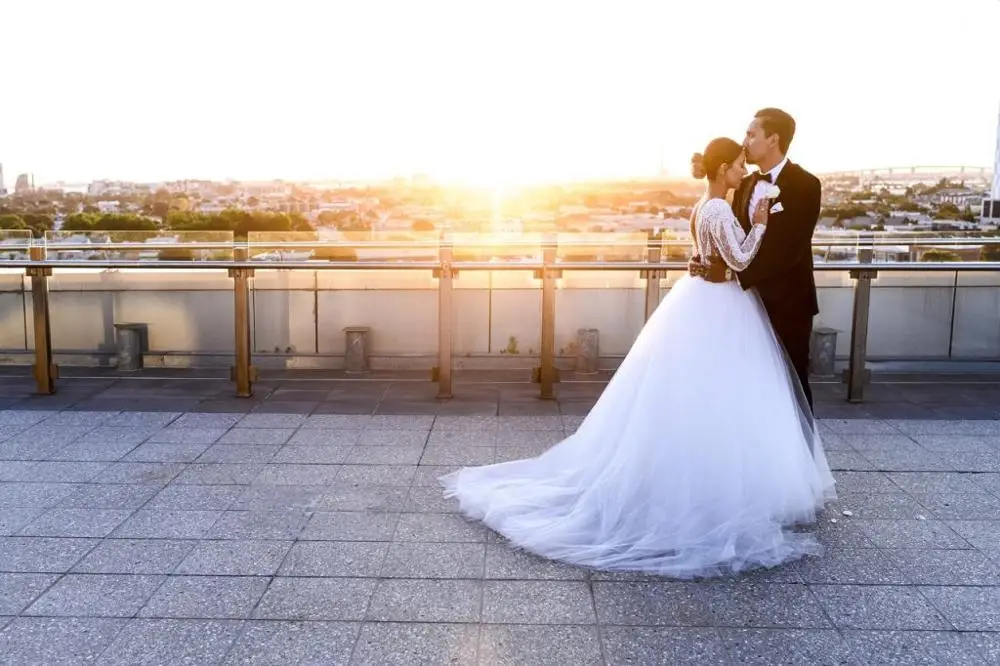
[759, 187]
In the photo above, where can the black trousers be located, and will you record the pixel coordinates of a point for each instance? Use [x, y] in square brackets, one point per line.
[795, 333]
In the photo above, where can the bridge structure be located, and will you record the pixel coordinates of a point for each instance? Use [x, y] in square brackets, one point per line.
[914, 173]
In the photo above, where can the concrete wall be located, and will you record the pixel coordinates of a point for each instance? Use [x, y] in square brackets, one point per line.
[302, 314]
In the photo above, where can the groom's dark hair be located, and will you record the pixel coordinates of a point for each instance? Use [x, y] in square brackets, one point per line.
[776, 121]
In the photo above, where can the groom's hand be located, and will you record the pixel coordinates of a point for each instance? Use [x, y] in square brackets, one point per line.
[696, 268]
[714, 272]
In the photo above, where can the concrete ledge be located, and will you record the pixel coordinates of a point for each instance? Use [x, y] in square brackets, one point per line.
[886, 371]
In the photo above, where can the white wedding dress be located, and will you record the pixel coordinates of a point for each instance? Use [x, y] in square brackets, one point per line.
[697, 458]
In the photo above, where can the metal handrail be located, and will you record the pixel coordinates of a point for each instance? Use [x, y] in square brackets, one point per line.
[321, 265]
[817, 242]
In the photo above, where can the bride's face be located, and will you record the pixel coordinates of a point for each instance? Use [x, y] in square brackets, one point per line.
[736, 171]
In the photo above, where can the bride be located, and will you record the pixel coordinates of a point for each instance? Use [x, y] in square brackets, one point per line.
[702, 451]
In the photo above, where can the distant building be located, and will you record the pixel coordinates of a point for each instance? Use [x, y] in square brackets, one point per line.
[100, 188]
[23, 184]
[960, 197]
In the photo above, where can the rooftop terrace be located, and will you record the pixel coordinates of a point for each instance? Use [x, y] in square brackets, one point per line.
[159, 519]
[153, 516]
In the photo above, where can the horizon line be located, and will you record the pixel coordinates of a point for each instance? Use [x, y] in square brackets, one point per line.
[450, 182]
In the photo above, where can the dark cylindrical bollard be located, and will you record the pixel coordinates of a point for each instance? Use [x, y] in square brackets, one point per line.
[130, 341]
[823, 352]
[587, 350]
[356, 353]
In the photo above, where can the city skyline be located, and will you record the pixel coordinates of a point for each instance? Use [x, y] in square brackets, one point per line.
[480, 96]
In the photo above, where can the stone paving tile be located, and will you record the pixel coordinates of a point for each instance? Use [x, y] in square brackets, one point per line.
[316, 599]
[350, 526]
[206, 597]
[765, 647]
[278, 643]
[144, 473]
[984, 534]
[96, 595]
[172, 642]
[775, 605]
[274, 536]
[258, 525]
[358, 559]
[214, 474]
[134, 556]
[913, 647]
[657, 604]
[180, 435]
[546, 646]
[233, 558]
[17, 495]
[427, 601]
[60, 472]
[42, 554]
[59, 640]
[76, 523]
[194, 498]
[166, 453]
[987, 644]
[878, 607]
[109, 496]
[18, 590]
[257, 436]
[931, 534]
[266, 497]
[164, 524]
[664, 646]
[967, 608]
[237, 454]
[505, 563]
[537, 602]
[412, 643]
[13, 519]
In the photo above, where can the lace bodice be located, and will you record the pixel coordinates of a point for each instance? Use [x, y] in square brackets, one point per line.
[718, 234]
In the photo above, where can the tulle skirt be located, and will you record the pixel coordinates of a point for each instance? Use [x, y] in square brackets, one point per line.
[694, 462]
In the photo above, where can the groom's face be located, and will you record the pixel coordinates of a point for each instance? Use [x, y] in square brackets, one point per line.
[757, 144]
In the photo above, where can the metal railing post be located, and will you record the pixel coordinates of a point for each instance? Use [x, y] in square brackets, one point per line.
[45, 370]
[243, 373]
[547, 374]
[446, 275]
[857, 373]
[653, 276]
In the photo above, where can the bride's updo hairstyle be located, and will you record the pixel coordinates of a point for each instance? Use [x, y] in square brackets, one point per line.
[718, 152]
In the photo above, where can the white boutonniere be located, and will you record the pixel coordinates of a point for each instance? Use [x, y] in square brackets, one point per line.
[771, 191]
[776, 208]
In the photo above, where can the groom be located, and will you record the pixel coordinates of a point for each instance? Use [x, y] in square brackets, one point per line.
[782, 271]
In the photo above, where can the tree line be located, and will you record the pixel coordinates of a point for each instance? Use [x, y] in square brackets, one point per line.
[239, 222]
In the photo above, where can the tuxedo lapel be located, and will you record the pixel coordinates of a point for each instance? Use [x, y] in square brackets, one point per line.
[785, 182]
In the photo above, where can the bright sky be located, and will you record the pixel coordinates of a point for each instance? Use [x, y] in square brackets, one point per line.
[485, 92]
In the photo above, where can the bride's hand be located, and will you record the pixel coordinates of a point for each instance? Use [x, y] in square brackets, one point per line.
[760, 213]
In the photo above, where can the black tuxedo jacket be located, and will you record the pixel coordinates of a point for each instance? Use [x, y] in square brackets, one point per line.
[782, 271]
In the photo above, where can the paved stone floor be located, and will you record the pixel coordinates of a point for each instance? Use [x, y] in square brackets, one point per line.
[163, 522]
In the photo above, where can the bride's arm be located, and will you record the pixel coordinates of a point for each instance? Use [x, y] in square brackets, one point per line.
[726, 230]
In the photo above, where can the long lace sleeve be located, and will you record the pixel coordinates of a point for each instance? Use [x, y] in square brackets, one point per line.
[736, 248]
